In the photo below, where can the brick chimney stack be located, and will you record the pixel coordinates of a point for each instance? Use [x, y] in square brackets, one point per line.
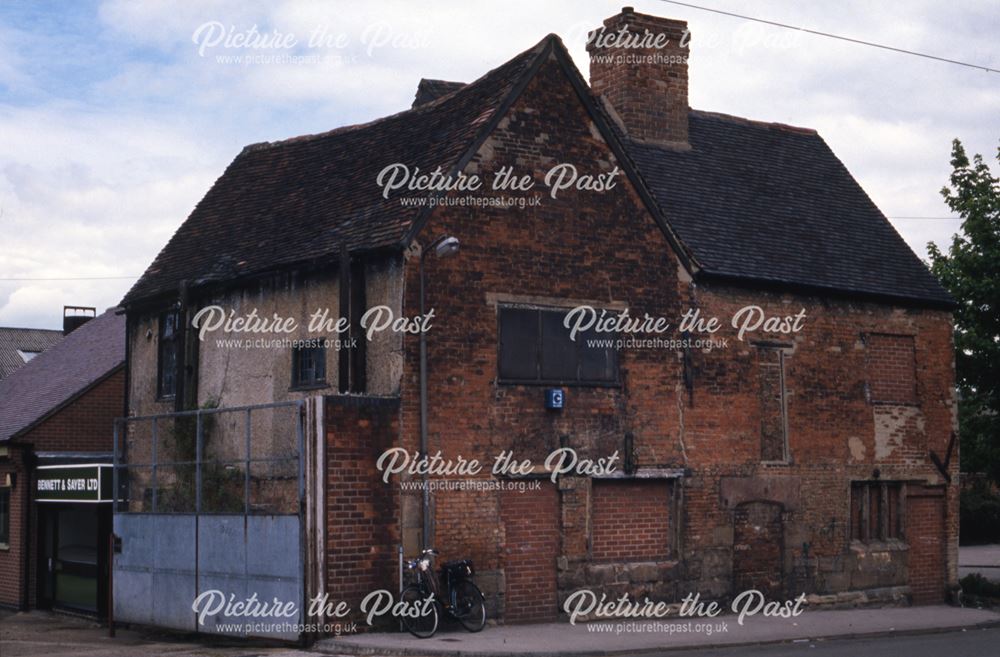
[638, 64]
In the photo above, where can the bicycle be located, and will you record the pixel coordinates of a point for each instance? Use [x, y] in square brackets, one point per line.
[452, 592]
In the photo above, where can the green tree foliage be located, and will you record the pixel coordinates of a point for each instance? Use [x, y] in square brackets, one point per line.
[970, 270]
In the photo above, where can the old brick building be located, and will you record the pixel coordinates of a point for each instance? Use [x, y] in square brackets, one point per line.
[788, 461]
[56, 419]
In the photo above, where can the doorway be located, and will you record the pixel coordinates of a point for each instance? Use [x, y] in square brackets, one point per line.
[758, 548]
[73, 543]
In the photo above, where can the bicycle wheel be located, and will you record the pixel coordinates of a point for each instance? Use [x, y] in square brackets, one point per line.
[470, 606]
[422, 626]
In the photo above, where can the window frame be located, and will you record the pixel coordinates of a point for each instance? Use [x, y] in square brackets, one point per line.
[163, 342]
[781, 350]
[861, 528]
[616, 382]
[318, 381]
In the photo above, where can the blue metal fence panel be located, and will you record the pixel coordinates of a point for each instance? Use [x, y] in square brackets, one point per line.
[174, 549]
[158, 576]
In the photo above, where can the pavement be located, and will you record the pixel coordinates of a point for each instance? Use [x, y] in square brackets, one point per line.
[887, 632]
[611, 638]
[45, 634]
[982, 559]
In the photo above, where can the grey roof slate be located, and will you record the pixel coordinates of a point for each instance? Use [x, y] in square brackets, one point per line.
[13, 340]
[771, 203]
[61, 373]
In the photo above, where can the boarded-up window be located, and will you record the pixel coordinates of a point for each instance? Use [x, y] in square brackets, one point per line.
[630, 521]
[892, 369]
[773, 405]
[876, 510]
[535, 347]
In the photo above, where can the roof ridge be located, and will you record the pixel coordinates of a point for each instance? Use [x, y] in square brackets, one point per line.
[467, 88]
[774, 125]
[26, 328]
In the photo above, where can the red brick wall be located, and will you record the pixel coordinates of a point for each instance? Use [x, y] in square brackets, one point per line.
[605, 248]
[85, 425]
[631, 520]
[835, 435]
[596, 247]
[12, 570]
[892, 368]
[924, 528]
[531, 548]
[361, 509]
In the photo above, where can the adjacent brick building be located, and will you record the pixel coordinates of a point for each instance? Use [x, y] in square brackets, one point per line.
[56, 417]
[786, 460]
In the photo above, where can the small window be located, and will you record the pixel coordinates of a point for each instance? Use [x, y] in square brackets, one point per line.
[167, 356]
[5, 516]
[535, 348]
[309, 367]
[773, 403]
[876, 511]
[27, 355]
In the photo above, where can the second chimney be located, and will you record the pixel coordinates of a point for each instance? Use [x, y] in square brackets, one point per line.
[76, 316]
[638, 64]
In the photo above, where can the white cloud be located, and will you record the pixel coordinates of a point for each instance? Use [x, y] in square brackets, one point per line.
[100, 163]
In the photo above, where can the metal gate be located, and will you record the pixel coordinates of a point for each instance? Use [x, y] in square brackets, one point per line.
[210, 507]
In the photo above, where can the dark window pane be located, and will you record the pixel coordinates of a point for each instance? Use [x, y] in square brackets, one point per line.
[519, 338]
[308, 366]
[535, 346]
[167, 356]
[559, 353]
[169, 326]
[597, 363]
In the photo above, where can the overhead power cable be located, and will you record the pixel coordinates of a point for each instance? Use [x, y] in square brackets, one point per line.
[839, 37]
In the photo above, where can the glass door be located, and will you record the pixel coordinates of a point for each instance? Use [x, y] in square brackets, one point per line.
[75, 566]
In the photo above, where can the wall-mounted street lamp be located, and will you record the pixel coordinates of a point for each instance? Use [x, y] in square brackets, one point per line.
[442, 247]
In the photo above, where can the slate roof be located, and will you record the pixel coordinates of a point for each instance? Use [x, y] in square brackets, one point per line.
[60, 374]
[771, 203]
[13, 340]
[750, 201]
[291, 201]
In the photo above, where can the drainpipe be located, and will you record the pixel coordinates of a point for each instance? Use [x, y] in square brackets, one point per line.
[426, 509]
[442, 246]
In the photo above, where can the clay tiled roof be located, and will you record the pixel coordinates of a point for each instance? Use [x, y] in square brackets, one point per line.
[428, 90]
[308, 197]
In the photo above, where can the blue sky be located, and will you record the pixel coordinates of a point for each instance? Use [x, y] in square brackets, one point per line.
[113, 125]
